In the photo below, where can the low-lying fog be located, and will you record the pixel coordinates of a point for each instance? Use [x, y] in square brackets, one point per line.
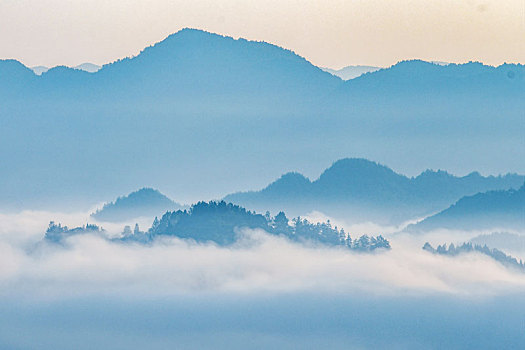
[264, 291]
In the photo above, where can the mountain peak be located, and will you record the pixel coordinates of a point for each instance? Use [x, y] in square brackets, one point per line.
[355, 167]
[434, 174]
[191, 34]
[359, 177]
[146, 192]
[143, 202]
[291, 182]
[491, 210]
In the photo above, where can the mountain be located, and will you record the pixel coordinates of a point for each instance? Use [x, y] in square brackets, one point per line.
[88, 67]
[220, 223]
[185, 63]
[483, 211]
[39, 69]
[144, 202]
[194, 112]
[351, 72]
[360, 189]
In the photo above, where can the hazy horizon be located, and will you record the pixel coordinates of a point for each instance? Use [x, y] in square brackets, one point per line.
[331, 34]
[323, 67]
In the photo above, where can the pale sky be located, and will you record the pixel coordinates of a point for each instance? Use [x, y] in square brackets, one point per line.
[331, 33]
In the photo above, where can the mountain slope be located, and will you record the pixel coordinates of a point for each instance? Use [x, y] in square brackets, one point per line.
[87, 67]
[483, 211]
[144, 202]
[193, 62]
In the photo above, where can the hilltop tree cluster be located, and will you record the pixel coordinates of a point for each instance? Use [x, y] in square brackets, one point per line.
[57, 232]
[218, 222]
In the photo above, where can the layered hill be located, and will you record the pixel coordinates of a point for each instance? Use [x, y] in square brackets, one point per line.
[492, 210]
[201, 108]
[88, 67]
[190, 64]
[363, 190]
[223, 224]
[146, 202]
[351, 72]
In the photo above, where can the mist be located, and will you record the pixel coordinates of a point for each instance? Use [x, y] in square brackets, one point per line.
[258, 262]
[264, 291]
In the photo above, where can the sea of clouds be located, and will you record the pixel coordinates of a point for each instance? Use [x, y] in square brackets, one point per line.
[89, 264]
[262, 292]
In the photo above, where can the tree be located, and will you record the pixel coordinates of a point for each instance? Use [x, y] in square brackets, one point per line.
[363, 243]
[280, 224]
[127, 231]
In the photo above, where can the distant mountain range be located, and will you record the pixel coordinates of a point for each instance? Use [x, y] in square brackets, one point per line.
[351, 72]
[87, 67]
[39, 69]
[483, 211]
[145, 202]
[201, 115]
[360, 189]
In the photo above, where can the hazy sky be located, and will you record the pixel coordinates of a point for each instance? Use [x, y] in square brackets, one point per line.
[331, 33]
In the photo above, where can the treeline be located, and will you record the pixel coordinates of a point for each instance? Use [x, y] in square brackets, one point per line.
[57, 232]
[218, 222]
[494, 253]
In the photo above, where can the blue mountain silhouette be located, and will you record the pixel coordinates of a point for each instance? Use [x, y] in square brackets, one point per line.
[351, 72]
[482, 211]
[198, 107]
[364, 190]
[144, 202]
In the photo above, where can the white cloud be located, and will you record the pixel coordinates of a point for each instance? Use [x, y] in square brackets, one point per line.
[259, 262]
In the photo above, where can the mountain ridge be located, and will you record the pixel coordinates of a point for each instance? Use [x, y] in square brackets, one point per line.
[143, 202]
[351, 72]
[353, 182]
[245, 107]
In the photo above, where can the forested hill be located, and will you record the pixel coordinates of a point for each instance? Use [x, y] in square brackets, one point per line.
[187, 67]
[222, 223]
[219, 221]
